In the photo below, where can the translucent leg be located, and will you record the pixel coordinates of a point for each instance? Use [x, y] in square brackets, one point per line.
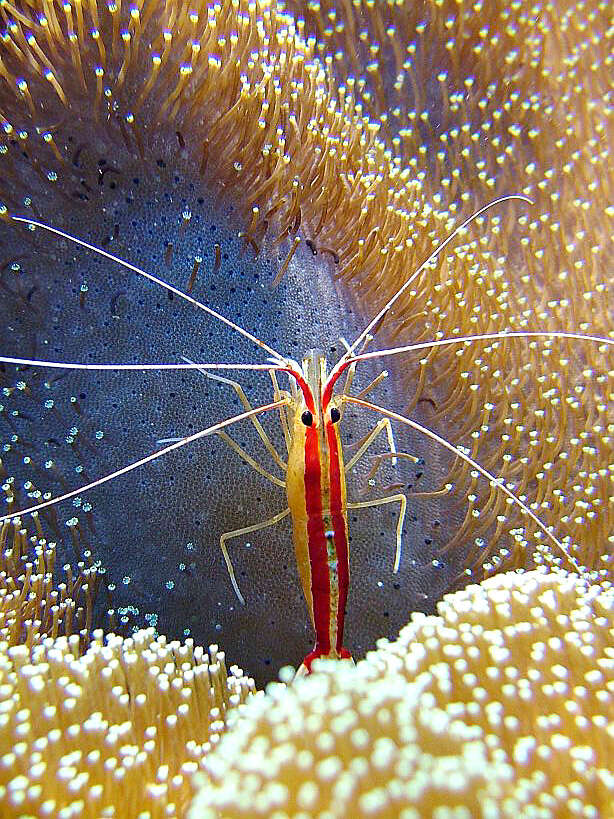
[379, 502]
[249, 460]
[383, 424]
[245, 530]
[431, 493]
[245, 401]
[377, 461]
[283, 411]
[241, 453]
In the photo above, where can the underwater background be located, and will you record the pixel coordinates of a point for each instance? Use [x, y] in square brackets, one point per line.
[147, 187]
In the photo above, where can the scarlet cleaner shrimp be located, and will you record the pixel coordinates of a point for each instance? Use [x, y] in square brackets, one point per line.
[314, 474]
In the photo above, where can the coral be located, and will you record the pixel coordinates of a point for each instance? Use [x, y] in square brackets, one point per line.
[118, 731]
[498, 705]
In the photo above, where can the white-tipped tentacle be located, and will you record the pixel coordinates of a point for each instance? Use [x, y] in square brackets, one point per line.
[459, 453]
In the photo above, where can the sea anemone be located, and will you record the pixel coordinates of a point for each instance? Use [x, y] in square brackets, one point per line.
[116, 731]
[496, 706]
[478, 102]
[34, 602]
[339, 144]
[245, 101]
[158, 569]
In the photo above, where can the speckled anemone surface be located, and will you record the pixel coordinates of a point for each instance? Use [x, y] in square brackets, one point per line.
[500, 705]
[142, 181]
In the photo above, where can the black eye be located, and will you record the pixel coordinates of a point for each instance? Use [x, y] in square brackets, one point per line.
[307, 418]
[335, 415]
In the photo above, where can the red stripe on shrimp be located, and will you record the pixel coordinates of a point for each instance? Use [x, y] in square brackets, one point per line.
[320, 583]
[339, 525]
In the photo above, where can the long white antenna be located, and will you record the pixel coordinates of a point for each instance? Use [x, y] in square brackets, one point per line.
[459, 453]
[503, 334]
[147, 459]
[152, 278]
[344, 362]
[427, 261]
[69, 365]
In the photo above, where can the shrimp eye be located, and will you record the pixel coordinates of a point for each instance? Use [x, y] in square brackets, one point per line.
[307, 418]
[335, 415]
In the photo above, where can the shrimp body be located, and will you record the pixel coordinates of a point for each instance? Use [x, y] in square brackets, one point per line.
[317, 499]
